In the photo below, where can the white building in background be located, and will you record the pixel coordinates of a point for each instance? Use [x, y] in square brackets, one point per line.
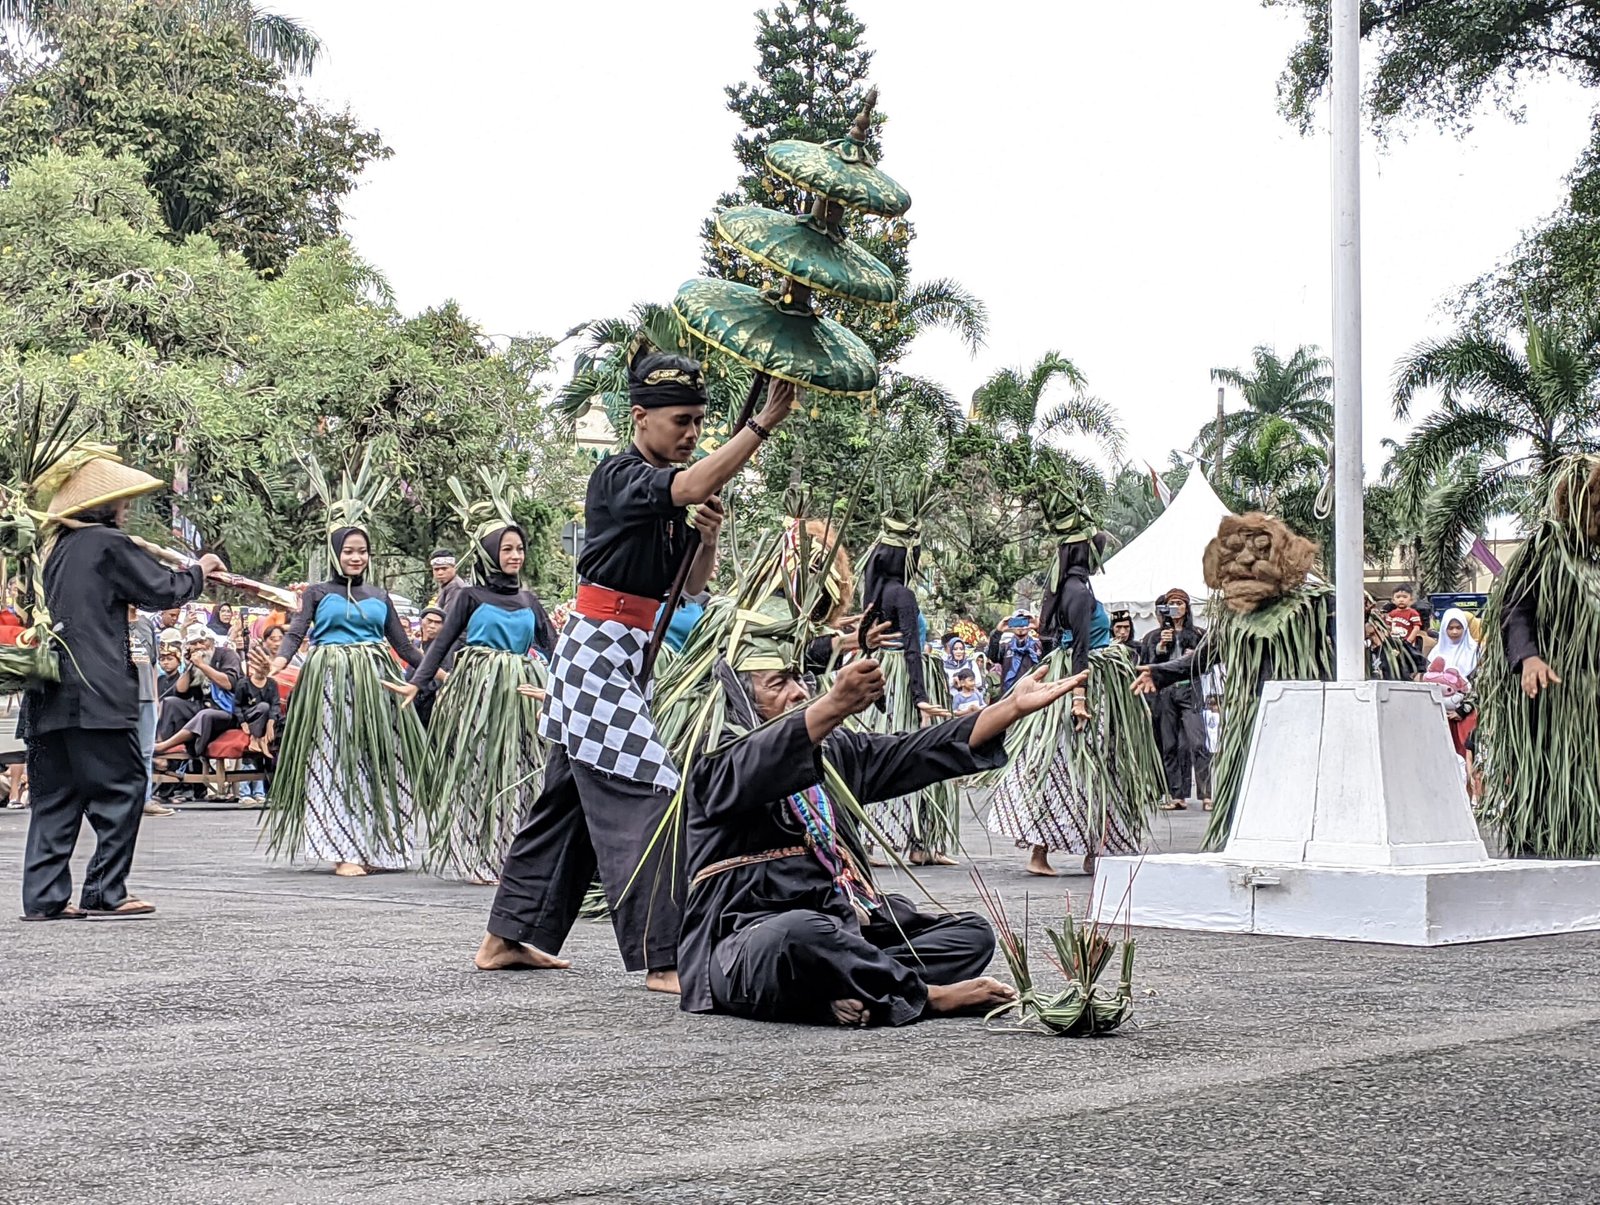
[593, 431]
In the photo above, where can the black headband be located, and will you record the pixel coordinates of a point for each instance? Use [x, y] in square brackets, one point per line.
[656, 379]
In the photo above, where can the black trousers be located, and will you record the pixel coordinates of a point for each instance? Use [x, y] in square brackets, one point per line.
[73, 774]
[207, 723]
[583, 821]
[793, 965]
[1181, 731]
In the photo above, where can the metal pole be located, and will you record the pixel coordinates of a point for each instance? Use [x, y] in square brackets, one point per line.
[1349, 597]
[1216, 468]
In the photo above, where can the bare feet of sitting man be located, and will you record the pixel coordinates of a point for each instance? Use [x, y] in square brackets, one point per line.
[663, 981]
[969, 994]
[851, 1012]
[498, 954]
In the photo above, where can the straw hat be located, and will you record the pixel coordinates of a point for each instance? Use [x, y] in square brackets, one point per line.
[90, 476]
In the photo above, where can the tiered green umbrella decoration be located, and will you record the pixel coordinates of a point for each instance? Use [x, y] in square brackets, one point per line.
[778, 331]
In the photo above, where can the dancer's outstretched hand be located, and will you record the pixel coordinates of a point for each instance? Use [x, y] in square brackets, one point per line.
[407, 691]
[1144, 682]
[528, 691]
[1032, 693]
[857, 686]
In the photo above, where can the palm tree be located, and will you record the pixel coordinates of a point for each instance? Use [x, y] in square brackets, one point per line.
[1506, 418]
[1009, 404]
[1297, 390]
[1277, 470]
[271, 36]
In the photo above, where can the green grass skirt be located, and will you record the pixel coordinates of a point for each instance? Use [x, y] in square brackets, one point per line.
[485, 762]
[1541, 757]
[342, 787]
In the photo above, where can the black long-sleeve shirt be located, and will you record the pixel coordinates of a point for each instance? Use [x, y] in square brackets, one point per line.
[91, 578]
[898, 605]
[634, 535]
[738, 804]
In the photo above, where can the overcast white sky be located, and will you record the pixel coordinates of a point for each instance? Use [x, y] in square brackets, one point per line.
[1114, 181]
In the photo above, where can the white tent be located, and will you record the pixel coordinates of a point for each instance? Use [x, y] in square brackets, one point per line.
[1164, 555]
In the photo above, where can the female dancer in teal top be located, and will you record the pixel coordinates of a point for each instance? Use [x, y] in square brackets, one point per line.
[485, 761]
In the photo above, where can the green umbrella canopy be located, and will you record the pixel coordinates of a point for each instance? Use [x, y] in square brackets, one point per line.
[800, 347]
[801, 248]
[842, 169]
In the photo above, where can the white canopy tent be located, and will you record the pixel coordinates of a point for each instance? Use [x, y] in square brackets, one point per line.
[1164, 555]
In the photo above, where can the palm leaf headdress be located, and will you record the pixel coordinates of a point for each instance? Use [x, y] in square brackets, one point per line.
[482, 517]
[1068, 514]
[358, 498]
[1575, 500]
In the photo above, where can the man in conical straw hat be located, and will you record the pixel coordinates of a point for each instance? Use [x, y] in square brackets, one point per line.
[84, 753]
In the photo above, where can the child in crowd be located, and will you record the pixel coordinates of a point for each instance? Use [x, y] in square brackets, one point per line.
[964, 694]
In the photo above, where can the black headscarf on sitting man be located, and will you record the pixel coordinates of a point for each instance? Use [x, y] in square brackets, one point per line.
[657, 379]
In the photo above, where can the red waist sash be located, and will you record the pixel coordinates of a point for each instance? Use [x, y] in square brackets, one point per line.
[599, 604]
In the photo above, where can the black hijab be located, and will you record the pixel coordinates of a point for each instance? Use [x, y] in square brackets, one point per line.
[336, 541]
[887, 564]
[1077, 561]
[488, 568]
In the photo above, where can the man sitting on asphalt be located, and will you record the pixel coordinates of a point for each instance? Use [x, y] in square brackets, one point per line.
[783, 921]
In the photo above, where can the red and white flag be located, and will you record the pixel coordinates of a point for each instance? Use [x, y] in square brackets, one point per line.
[1160, 486]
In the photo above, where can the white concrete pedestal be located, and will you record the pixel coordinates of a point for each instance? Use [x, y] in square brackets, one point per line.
[1353, 824]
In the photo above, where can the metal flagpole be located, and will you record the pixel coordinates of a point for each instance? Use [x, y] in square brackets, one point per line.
[1349, 593]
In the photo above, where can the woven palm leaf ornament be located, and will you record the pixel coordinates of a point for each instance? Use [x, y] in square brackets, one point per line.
[778, 331]
[1080, 951]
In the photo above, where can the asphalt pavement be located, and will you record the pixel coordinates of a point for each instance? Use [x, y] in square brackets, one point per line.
[279, 1035]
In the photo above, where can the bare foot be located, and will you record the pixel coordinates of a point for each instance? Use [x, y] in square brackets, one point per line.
[1039, 862]
[851, 1012]
[498, 954]
[876, 860]
[663, 981]
[940, 858]
[484, 882]
[1088, 863]
[349, 870]
[969, 994]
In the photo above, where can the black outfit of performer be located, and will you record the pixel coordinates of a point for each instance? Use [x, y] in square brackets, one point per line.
[1178, 712]
[778, 939]
[609, 781]
[889, 598]
[84, 756]
[428, 691]
[194, 708]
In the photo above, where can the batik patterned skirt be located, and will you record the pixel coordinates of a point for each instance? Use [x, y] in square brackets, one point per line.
[485, 762]
[342, 788]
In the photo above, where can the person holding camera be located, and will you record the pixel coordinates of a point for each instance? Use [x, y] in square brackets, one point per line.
[1175, 710]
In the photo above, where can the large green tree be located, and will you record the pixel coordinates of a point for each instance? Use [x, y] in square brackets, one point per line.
[228, 150]
[196, 366]
[274, 36]
[1444, 61]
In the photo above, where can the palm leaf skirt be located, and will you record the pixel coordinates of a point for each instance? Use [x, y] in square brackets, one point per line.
[1088, 791]
[485, 762]
[1288, 641]
[1541, 757]
[342, 788]
[929, 819]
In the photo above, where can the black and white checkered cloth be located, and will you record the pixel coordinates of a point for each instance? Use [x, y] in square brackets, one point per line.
[596, 708]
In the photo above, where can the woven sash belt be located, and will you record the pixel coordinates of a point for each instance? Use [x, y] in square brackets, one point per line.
[771, 855]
